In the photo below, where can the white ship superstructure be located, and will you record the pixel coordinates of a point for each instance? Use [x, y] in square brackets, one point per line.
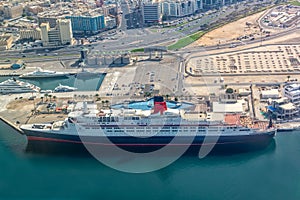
[17, 86]
[40, 73]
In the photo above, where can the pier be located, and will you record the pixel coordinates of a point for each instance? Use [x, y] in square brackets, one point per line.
[14, 126]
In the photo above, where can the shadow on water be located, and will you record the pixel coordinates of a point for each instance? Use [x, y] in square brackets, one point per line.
[81, 151]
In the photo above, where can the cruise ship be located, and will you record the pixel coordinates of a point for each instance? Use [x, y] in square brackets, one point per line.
[16, 86]
[40, 73]
[148, 130]
[64, 88]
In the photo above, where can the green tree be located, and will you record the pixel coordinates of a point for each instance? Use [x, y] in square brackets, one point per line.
[229, 90]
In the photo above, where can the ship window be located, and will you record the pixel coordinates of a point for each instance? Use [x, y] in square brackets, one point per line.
[244, 129]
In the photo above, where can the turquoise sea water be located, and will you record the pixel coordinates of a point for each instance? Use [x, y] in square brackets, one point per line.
[273, 173]
[90, 84]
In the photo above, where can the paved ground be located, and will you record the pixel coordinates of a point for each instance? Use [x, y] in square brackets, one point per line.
[268, 59]
[130, 81]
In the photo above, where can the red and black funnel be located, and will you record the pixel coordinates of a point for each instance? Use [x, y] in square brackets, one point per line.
[159, 105]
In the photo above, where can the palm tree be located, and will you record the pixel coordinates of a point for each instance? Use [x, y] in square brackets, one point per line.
[54, 98]
[42, 98]
[288, 78]
[50, 97]
[46, 95]
[106, 101]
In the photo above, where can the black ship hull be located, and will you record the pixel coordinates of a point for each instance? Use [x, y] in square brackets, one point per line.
[56, 143]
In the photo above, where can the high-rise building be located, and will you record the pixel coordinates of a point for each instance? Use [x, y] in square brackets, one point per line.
[65, 29]
[180, 8]
[45, 27]
[47, 19]
[89, 24]
[151, 13]
[60, 35]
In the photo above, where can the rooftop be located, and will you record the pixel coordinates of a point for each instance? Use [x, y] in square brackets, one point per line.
[288, 106]
[228, 107]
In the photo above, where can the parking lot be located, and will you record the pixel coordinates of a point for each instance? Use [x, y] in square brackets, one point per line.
[143, 79]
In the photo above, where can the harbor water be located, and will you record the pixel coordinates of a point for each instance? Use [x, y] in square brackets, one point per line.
[272, 173]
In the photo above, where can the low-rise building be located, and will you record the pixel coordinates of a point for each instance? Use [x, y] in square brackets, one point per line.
[12, 11]
[283, 109]
[34, 34]
[270, 94]
[110, 22]
[237, 107]
[17, 65]
[6, 42]
[292, 92]
[228, 96]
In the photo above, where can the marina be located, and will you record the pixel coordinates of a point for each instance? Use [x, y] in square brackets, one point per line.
[129, 100]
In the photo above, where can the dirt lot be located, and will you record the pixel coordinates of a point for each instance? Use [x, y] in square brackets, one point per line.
[231, 31]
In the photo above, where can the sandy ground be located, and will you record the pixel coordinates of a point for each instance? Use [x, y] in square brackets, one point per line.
[231, 31]
[207, 85]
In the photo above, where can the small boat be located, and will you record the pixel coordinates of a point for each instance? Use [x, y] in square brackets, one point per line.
[64, 88]
[46, 91]
[40, 73]
[285, 128]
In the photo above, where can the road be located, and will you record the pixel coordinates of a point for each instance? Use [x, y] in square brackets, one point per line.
[127, 39]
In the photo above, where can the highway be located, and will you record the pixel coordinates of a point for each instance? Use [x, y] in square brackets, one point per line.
[238, 43]
[127, 39]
